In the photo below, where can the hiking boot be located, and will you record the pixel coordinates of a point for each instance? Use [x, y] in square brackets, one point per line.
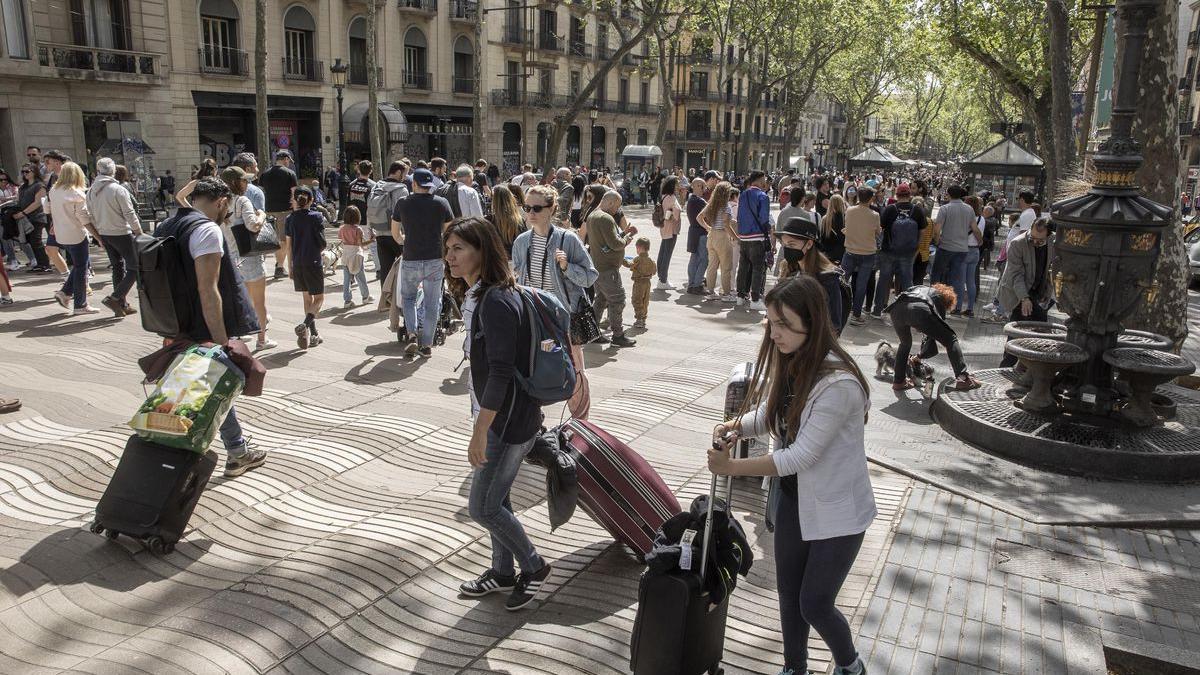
[115, 305]
[528, 587]
[252, 458]
[623, 341]
[487, 583]
[302, 334]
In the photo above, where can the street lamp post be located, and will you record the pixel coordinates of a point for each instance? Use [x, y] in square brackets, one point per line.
[843, 151]
[592, 115]
[820, 146]
[338, 73]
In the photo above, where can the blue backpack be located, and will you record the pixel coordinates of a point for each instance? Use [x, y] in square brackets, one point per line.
[905, 232]
[551, 377]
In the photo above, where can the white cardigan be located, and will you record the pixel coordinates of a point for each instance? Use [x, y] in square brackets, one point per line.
[828, 457]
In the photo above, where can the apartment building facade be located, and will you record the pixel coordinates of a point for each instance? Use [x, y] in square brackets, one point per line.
[1189, 98]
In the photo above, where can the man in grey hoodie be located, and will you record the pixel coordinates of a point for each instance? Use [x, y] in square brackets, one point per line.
[116, 220]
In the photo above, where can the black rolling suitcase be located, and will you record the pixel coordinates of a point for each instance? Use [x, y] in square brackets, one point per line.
[678, 631]
[152, 493]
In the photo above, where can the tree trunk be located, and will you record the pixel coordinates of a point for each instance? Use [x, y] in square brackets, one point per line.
[1155, 127]
[666, 70]
[262, 132]
[373, 94]
[1064, 156]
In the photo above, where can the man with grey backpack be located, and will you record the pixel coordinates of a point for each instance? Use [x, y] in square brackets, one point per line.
[902, 223]
[381, 201]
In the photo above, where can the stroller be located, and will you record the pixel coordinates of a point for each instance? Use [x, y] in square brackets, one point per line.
[450, 319]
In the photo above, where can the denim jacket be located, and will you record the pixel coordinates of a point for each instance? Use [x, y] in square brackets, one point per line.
[580, 272]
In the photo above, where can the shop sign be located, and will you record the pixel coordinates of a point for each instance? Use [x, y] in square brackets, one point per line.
[439, 128]
[283, 133]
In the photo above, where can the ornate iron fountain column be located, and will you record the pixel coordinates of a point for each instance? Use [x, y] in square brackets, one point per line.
[1108, 239]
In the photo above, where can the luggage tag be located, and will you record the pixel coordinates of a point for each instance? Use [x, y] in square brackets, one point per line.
[685, 552]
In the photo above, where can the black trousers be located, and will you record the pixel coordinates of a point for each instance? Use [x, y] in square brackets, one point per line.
[1038, 313]
[389, 253]
[920, 268]
[122, 255]
[910, 316]
[752, 269]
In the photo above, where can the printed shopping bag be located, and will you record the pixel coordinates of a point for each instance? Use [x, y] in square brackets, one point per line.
[191, 400]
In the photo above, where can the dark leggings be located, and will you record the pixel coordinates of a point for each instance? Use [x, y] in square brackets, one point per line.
[917, 316]
[809, 575]
[665, 248]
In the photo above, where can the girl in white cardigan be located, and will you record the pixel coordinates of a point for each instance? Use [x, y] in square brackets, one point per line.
[808, 394]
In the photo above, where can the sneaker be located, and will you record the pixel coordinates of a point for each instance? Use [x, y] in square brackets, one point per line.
[302, 334]
[970, 314]
[425, 352]
[263, 345]
[128, 310]
[63, 299]
[252, 458]
[729, 298]
[664, 286]
[876, 315]
[314, 340]
[528, 587]
[602, 340]
[86, 309]
[115, 305]
[640, 323]
[279, 272]
[367, 300]
[487, 583]
[349, 304]
[758, 306]
[404, 337]
[857, 320]
[741, 301]
[956, 312]
[411, 349]
[623, 341]
[13, 266]
[6, 301]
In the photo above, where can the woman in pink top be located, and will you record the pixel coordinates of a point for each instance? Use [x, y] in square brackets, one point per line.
[672, 217]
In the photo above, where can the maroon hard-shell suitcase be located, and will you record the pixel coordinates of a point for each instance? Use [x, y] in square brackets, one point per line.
[617, 487]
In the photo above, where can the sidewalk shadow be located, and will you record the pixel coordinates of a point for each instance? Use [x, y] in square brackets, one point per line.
[345, 317]
[394, 366]
[50, 326]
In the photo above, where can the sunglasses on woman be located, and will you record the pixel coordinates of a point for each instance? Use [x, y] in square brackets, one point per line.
[534, 208]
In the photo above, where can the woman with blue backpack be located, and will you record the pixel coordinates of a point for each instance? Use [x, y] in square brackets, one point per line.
[507, 418]
[554, 260]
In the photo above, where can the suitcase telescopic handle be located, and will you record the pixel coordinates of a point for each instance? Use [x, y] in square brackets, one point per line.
[707, 541]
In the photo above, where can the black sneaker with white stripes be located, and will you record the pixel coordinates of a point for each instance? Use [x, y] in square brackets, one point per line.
[528, 587]
[488, 582]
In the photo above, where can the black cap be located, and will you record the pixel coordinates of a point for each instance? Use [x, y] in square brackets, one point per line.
[799, 226]
[304, 190]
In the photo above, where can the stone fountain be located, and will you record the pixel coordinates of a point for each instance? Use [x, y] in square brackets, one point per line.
[1091, 397]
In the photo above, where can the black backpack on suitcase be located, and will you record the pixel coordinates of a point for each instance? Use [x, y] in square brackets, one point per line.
[152, 493]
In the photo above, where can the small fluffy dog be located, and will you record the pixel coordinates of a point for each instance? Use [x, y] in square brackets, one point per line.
[330, 258]
[885, 364]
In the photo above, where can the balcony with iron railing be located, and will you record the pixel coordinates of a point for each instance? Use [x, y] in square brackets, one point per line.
[702, 59]
[631, 61]
[1185, 81]
[418, 5]
[513, 98]
[463, 10]
[464, 85]
[303, 70]
[691, 135]
[517, 35]
[550, 42]
[579, 48]
[416, 79]
[604, 52]
[358, 74]
[223, 61]
[84, 62]
[1185, 128]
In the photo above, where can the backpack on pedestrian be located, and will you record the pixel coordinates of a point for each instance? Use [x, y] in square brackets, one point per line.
[904, 232]
[658, 217]
[164, 295]
[551, 376]
[380, 203]
[449, 192]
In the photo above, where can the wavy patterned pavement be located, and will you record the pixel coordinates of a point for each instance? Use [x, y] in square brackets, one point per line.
[342, 554]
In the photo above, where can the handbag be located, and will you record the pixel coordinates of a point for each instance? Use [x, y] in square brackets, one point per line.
[584, 327]
[266, 240]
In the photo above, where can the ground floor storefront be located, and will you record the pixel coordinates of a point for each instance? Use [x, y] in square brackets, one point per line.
[225, 126]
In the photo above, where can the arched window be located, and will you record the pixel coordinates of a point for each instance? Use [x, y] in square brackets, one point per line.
[416, 72]
[573, 144]
[464, 66]
[298, 46]
[358, 51]
[219, 51]
[511, 148]
[599, 140]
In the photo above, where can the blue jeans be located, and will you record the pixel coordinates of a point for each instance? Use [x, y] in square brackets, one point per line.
[361, 277]
[76, 283]
[425, 275]
[954, 264]
[698, 263]
[231, 435]
[489, 506]
[970, 264]
[859, 267]
[897, 265]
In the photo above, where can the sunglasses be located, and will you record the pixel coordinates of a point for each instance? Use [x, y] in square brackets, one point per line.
[534, 208]
[26, 171]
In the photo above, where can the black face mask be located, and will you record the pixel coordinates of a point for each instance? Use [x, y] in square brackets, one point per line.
[793, 255]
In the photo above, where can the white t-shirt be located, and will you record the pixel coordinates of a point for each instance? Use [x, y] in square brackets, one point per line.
[206, 238]
[1024, 222]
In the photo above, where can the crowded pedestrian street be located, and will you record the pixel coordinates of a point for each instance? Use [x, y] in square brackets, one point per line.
[344, 551]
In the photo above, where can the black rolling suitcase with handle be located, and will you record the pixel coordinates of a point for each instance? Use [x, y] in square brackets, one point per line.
[152, 493]
[678, 630]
